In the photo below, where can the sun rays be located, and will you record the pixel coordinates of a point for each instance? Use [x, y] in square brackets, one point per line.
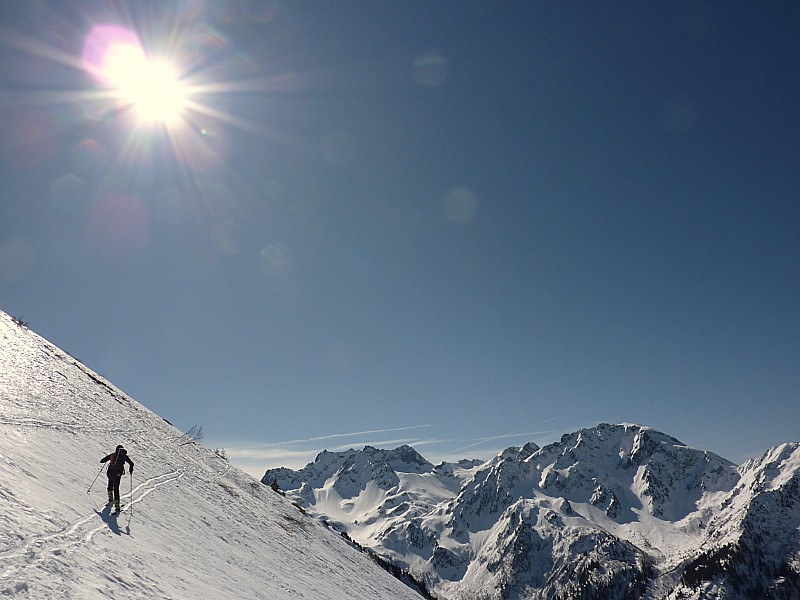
[156, 86]
[137, 111]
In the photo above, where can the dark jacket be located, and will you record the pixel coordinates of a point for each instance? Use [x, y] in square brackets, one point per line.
[116, 462]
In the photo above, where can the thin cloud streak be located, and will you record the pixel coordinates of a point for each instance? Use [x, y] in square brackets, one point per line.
[390, 443]
[506, 436]
[256, 459]
[331, 436]
[270, 455]
[275, 453]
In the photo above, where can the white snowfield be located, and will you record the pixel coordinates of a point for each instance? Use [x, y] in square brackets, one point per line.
[192, 526]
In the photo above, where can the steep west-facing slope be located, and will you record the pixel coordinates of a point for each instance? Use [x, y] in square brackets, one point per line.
[194, 527]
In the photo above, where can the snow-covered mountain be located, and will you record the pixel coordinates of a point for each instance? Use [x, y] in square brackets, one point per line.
[615, 511]
[194, 527]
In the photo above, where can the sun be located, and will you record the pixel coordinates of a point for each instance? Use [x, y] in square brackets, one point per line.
[152, 88]
[165, 87]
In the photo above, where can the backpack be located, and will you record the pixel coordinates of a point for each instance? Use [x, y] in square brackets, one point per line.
[116, 464]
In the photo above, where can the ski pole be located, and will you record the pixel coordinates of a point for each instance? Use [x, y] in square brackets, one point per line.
[95, 479]
[131, 499]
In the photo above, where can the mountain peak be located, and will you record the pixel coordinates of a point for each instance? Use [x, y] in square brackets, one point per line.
[401, 458]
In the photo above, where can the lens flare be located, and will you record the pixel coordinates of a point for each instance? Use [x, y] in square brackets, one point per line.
[430, 70]
[460, 205]
[89, 159]
[118, 225]
[275, 260]
[29, 138]
[68, 193]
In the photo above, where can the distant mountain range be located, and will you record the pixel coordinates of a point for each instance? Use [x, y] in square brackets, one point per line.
[615, 511]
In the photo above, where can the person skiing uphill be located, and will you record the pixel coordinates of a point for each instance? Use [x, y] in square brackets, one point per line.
[116, 468]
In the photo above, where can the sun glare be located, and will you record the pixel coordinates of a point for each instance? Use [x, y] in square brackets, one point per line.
[152, 88]
[164, 87]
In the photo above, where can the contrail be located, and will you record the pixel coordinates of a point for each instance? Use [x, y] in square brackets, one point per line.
[331, 436]
[506, 435]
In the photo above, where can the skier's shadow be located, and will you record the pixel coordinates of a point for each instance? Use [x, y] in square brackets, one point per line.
[110, 519]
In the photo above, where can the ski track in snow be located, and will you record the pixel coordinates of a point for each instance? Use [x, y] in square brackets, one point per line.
[82, 530]
[76, 532]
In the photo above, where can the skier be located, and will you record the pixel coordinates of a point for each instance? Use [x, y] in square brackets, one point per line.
[116, 468]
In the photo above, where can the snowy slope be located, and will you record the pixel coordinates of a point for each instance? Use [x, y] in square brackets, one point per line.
[194, 527]
[615, 511]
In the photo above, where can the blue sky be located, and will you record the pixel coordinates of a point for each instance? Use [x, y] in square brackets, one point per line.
[460, 225]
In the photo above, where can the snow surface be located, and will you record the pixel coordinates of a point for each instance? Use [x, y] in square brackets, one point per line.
[192, 527]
